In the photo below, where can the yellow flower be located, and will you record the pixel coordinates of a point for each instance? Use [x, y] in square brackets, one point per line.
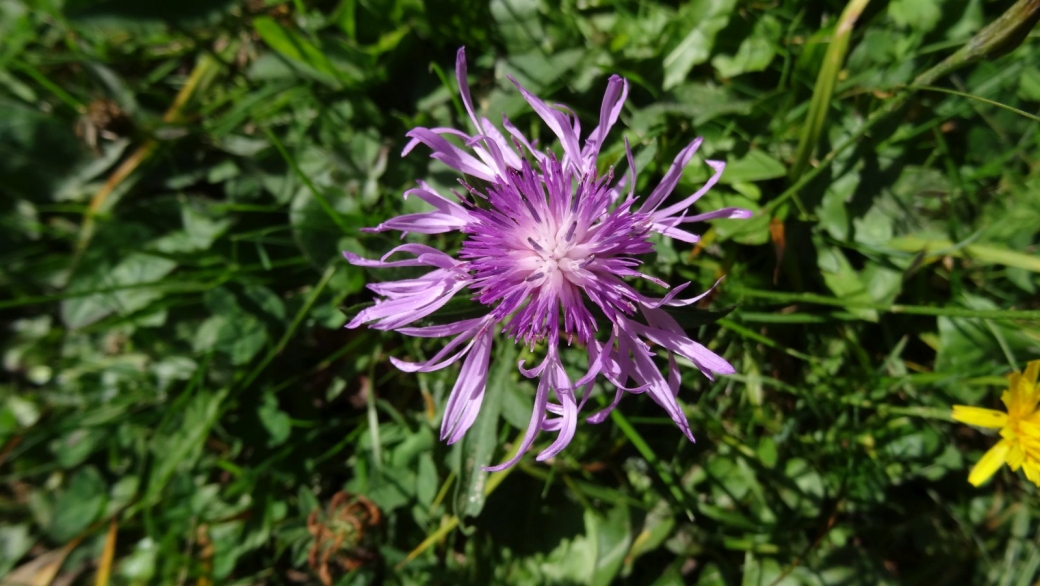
[1019, 428]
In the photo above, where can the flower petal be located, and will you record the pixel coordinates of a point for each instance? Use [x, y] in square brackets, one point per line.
[537, 416]
[569, 413]
[460, 77]
[557, 121]
[468, 394]
[718, 167]
[1032, 470]
[1032, 372]
[991, 461]
[671, 178]
[980, 417]
[721, 214]
[449, 154]
[610, 109]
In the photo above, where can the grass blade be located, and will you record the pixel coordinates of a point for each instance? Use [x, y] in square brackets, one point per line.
[819, 106]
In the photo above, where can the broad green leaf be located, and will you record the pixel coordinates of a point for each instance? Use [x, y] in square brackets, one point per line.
[756, 165]
[843, 281]
[78, 505]
[240, 336]
[139, 567]
[833, 210]
[756, 52]
[15, 541]
[519, 24]
[39, 152]
[657, 527]
[426, 480]
[705, 19]
[122, 285]
[74, 447]
[201, 230]
[317, 235]
[919, 16]
[274, 420]
[753, 230]
[1029, 84]
[613, 535]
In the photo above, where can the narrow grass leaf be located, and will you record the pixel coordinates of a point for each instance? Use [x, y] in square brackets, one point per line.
[820, 104]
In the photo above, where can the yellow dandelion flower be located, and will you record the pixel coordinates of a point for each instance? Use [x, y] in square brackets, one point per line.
[1019, 446]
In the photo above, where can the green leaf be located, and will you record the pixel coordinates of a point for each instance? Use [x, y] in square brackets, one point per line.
[844, 282]
[920, 16]
[298, 49]
[519, 24]
[232, 330]
[15, 541]
[658, 525]
[201, 230]
[753, 230]
[833, 211]
[135, 269]
[266, 300]
[318, 235]
[39, 151]
[78, 505]
[756, 52]
[426, 480]
[478, 445]
[706, 18]
[1029, 84]
[180, 446]
[756, 165]
[274, 420]
[76, 446]
[613, 535]
[690, 318]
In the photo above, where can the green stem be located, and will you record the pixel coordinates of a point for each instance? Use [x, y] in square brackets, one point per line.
[782, 297]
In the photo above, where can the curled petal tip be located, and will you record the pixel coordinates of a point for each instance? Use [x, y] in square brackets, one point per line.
[724, 368]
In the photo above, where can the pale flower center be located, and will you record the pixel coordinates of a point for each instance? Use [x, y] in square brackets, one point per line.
[552, 256]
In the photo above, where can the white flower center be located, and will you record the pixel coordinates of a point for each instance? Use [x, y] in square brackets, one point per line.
[556, 253]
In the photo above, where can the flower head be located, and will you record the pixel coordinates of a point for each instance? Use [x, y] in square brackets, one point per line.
[549, 240]
[1019, 446]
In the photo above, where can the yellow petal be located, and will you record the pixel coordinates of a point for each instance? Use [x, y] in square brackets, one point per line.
[1032, 372]
[1010, 397]
[1015, 456]
[989, 464]
[980, 417]
[1026, 396]
[1030, 427]
[1032, 470]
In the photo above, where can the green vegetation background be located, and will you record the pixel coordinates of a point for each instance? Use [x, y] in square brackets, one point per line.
[178, 396]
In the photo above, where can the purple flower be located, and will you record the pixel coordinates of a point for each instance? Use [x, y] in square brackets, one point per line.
[548, 241]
